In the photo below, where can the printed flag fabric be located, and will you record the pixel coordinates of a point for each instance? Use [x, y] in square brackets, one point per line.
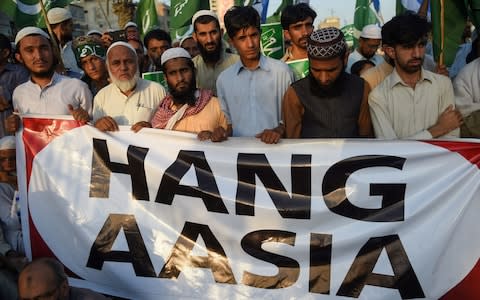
[181, 13]
[159, 214]
[28, 12]
[147, 17]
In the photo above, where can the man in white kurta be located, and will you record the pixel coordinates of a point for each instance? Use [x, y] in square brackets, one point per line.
[128, 100]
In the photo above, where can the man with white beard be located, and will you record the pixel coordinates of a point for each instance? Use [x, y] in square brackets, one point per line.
[129, 99]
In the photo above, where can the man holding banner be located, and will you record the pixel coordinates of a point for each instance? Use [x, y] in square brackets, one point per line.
[129, 99]
[328, 103]
[412, 102]
[187, 108]
[47, 92]
[252, 89]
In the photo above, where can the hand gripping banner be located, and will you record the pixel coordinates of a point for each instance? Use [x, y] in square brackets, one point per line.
[159, 214]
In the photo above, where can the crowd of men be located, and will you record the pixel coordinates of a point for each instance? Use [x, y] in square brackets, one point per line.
[218, 90]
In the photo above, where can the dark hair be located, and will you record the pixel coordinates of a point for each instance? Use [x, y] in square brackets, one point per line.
[205, 20]
[241, 17]
[405, 29]
[190, 64]
[157, 34]
[5, 43]
[358, 66]
[292, 14]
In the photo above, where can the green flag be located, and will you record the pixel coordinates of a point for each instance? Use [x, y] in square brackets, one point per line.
[28, 12]
[146, 16]
[455, 14]
[278, 13]
[271, 40]
[181, 13]
[364, 15]
[349, 34]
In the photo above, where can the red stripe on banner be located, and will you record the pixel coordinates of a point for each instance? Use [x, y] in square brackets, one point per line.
[37, 134]
[469, 150]
[468, 288]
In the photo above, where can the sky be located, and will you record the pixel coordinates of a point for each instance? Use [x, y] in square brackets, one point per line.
[344, 9]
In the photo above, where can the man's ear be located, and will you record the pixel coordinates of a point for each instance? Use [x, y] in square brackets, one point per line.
[287, 36]
[390, 51]
[194, 36]
[19, 57]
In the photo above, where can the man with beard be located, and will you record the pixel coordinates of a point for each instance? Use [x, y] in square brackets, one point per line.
[156, 41]
[129, 99]
[47, 92]
[297, 23]
[368, 43]
[187, 108]
[412, 103]
[251, 90]
[328, 103]
[62, 27]
[212, 59]
[90, 55]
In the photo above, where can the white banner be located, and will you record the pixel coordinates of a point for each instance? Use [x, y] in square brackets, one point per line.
[160, 214]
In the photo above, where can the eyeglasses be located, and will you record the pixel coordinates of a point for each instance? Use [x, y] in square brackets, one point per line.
[44, 296]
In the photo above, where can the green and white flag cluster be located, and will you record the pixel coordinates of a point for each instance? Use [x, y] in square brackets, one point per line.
[147, 18]
[28, 12]
[365, 14]
[181, 13]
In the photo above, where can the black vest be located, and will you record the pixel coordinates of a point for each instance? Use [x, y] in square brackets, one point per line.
[334, 115]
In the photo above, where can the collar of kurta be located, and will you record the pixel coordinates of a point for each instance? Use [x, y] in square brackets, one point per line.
[262, 64]
[396, 79]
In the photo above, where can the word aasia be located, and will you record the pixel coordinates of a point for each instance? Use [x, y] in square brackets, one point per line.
[295, 206]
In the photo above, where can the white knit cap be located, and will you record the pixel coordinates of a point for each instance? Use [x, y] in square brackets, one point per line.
[30, 30]
[184, 39]
[174, 53]
[130, 24]
[58, 15]
[120, 43]
[203, 12]
[7, 142]
[371, 32]
[94, 31]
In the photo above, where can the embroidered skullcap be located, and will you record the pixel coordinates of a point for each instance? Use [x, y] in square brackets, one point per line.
[130, 24]
[371, 32]
[174, 53]
[326, 43]
[58, 15]
[7, 142]
[84, 46]
[203, 12]
[120, 43]
[94, 31]
[26, 31]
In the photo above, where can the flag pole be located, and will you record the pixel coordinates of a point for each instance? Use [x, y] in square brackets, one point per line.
[104, 14]
[423, 10]
[441, 57]
[56, 48]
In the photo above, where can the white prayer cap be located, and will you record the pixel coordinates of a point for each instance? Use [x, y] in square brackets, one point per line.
[184, 39]
[7, 142]
[371, 32]
[174, 53]
[203, 12]
[30, 30]
[130, 24]
[94, 31]
[120, 43]
[58, 15]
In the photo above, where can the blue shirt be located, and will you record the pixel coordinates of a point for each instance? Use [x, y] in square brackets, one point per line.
[252, 99]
